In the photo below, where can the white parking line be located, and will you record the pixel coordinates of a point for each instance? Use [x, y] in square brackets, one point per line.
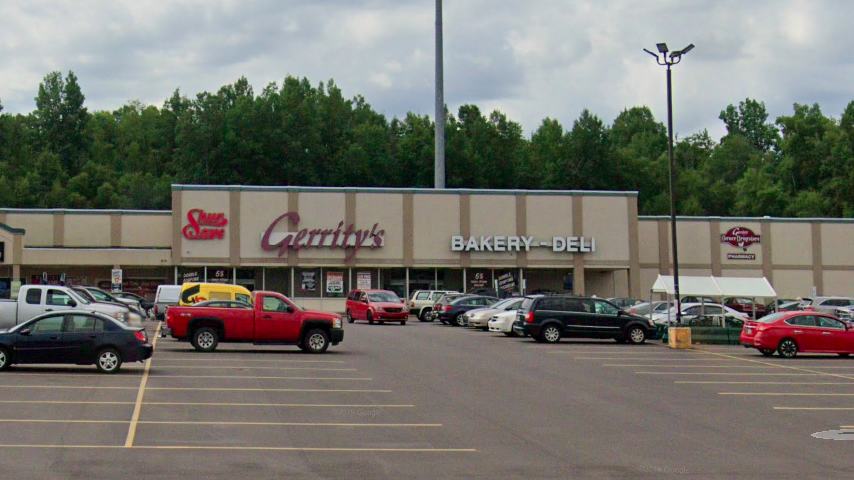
[786, 394]
[228, 389]
[353, 379]
[254, 424]
[138, 404]
[736, 374]
[817, 409]
[639, 365]
[240, 359]
[724, 382]
[65, 402]
[317, 405]
[248, 367]
[268, 449]
[656, 359]
[71, 387]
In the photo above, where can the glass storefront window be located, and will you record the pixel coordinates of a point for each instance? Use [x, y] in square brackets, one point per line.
[191, 275]
[307, 282]
[365, 278]
[479, 280]
[394, 279]
[219, 275]
[421, 279]
[508, 282]
[249, 278]
[548, 280]
[278, 280]
[336, 283]
[449, 279]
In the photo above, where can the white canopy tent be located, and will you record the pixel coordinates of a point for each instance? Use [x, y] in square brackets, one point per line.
[757, 287]
[716, 287]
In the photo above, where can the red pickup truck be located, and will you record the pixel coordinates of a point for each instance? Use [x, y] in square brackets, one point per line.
[271, 319]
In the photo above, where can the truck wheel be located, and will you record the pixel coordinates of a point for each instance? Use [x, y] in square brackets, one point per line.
[109, 361]
[424, 316]
[5, 359]
[205, 339]
[316, 341]
[350, 318]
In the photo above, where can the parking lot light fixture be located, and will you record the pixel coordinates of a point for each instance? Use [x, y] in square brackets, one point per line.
[662, 59]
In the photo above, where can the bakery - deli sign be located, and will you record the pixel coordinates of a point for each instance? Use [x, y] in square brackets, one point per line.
[279, 238]
[740, 237]
[202, 225]
[513, 243]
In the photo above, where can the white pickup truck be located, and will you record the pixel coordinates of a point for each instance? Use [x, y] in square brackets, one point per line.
[35, 300]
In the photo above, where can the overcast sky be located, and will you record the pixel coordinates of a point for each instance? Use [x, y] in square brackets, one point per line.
[530, 59]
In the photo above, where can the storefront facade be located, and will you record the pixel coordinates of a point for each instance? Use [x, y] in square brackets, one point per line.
[315, 244]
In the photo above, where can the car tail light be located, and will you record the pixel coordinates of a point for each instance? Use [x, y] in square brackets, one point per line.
[529, 317]
[140, 335]
[446, 308]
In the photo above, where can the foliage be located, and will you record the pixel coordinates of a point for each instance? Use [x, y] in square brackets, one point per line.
[296, 133]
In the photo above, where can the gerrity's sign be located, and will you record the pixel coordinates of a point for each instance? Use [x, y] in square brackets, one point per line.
[277, 238]
[202, 225]
[740, 237]
[512, 243]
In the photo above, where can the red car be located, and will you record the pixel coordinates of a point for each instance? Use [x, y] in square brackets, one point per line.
[376, 306]
[791, 332]
[746, 305]
[272, 318]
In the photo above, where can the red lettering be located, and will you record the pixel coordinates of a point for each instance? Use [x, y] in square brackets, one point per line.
[198, 218]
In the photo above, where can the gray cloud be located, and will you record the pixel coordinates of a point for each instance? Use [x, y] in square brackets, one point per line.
[530, 59]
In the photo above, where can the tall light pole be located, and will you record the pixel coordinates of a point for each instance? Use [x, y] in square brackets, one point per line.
[662, 58]
[439, 161]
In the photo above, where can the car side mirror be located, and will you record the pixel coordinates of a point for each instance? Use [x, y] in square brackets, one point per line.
[26, 332]
[289, 309]
[72, 303]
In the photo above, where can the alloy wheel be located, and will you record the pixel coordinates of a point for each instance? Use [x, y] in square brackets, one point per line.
[3, 359]
[108, 361]
[316, 341]
[551, 334]
[788, 348]
[637, 335]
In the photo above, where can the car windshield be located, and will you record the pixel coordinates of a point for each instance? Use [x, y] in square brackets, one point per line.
[101, 296]
[502, 303]
[78, 297]
[383, 297]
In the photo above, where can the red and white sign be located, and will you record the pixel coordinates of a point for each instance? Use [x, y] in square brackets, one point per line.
[740, 237]
[278, 238]
[202, 225]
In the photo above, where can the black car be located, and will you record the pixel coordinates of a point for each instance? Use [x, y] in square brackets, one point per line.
[74, 337]
[549, 318]
[452, 312]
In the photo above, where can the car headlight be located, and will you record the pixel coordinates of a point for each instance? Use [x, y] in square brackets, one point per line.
[120, 315]
[337, 323]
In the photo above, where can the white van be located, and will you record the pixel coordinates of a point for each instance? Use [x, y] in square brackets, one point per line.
[167, 295]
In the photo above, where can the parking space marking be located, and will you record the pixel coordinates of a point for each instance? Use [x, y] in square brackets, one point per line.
[249, 367]
[138, 404]
[787, 394]
[656, 359]
[736, 374]
[639, 365]
[778, 365]
[353, 379]
[63, 375]
[298, 424]
[58, 420]
[66, 402]
[222, 360]
[71, 387]
[318, 405]
[229, 389]
[269, 449]
[726, 382]
[815, 408]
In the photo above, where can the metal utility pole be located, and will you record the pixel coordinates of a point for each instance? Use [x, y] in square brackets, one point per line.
[439, 161]
[662, 59]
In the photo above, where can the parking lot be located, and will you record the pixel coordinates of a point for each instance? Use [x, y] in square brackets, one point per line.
[432, 401]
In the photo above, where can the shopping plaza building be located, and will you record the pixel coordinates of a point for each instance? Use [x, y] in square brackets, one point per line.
[315, 244]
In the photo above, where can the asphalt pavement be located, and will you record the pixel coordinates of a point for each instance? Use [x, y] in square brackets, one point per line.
[432, 401]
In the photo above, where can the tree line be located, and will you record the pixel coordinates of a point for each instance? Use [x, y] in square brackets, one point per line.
[296, 133]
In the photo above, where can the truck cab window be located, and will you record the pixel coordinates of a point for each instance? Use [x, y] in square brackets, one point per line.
[34, 296]
[273, 304]
[57, 297]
